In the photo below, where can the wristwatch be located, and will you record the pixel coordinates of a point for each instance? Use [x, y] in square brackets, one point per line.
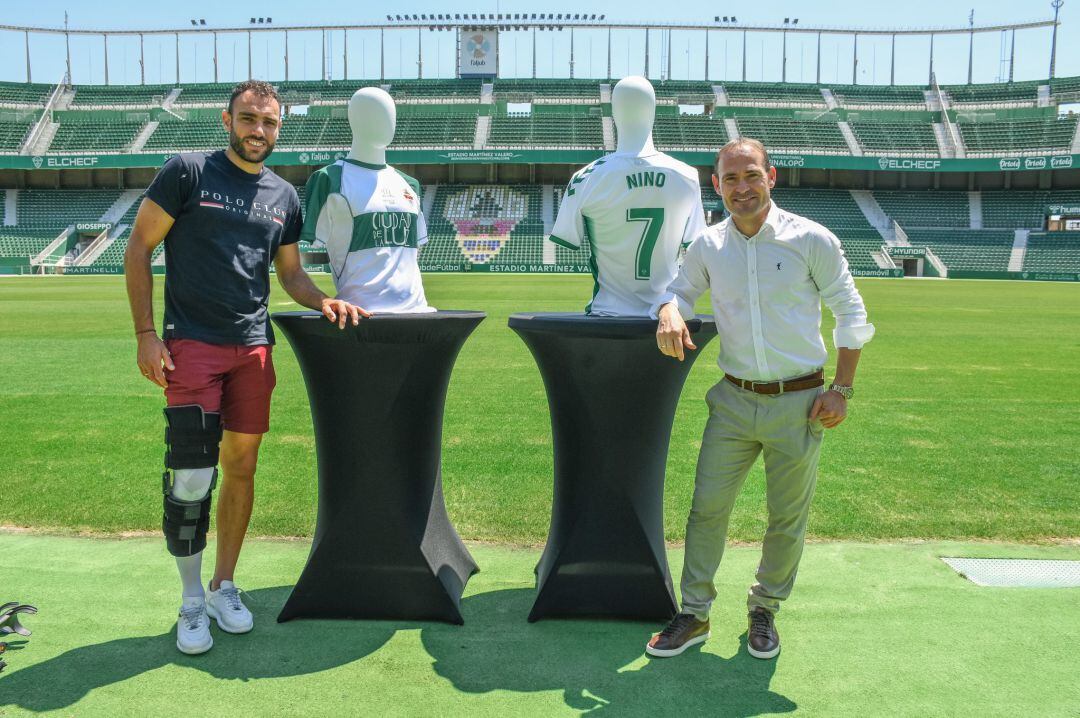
[845, 391]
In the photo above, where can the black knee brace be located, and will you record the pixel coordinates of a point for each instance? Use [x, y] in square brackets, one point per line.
[192, 440]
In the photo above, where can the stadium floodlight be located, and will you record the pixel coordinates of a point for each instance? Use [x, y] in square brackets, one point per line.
[602, 17]
[795, 21]
[195, 23]
[577, 17]
[269, 20]
[734, 19]
[787, 21]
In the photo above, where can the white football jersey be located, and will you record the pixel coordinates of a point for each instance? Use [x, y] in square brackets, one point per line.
[636, 212]
[369, 220]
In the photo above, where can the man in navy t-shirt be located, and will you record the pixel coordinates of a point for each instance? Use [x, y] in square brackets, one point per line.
[224, 218]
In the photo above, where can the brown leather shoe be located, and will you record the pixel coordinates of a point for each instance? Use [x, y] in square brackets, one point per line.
[762, 640]
[685, 630]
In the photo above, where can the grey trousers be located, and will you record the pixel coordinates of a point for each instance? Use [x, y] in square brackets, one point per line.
[742, 425]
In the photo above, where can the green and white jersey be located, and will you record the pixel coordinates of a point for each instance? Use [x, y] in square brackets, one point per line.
[636, 212]
[369, 220]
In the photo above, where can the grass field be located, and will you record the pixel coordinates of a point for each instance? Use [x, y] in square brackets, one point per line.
[875, 630]
[966, 424]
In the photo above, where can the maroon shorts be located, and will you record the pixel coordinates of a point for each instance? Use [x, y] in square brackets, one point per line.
[235, 380]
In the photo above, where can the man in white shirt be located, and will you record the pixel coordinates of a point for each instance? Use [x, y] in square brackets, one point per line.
[768, 271]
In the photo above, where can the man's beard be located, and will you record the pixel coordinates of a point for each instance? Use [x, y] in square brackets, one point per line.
[246, 153]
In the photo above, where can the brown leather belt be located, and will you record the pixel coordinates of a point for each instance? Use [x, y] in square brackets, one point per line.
[800, 383]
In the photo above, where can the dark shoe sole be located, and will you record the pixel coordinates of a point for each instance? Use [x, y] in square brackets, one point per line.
[765, 655]
[671, 652]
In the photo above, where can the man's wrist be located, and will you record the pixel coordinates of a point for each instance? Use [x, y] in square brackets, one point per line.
[140, 332]
[845, 390]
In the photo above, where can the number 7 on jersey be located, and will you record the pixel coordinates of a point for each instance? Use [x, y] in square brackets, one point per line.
[653, 217]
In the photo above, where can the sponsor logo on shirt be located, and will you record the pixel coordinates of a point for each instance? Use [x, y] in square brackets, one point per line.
[239, 205]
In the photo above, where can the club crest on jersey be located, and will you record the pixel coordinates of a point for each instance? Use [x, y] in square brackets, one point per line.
[484, 217]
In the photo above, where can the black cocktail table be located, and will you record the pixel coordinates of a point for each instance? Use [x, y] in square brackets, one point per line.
[612, 397]
[384, 546]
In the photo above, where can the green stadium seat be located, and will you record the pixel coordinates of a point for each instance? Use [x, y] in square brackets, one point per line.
[109, 136]
[543, 90]
[24, 94]
[13, 134]
[89, 96]
[1001, 94]
[786, 135]
[926, 208]
[689, 131]
[547, 129]
[1053, 252]
[984, 250]
[1023, 209]
[1053, 134]
[896, 138]
[774, 94]
[883, 96]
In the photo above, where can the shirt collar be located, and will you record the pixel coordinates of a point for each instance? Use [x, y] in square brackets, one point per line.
[772, 221]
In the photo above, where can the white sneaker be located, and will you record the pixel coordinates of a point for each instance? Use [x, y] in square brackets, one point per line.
[225, 607]
[193, 627]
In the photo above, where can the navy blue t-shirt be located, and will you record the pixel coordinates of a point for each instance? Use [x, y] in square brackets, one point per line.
[228, 225]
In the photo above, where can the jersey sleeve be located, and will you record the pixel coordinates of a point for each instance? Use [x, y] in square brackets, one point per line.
[695, 223]
[569, 228]
[172, 186]
[421, 229]
[318, 189]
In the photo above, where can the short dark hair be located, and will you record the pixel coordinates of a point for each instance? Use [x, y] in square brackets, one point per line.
[261, 88]
[742, 142]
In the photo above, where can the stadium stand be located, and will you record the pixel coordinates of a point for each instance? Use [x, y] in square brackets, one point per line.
[577, 90]
[24, 94]
[836, 210]
[685, 92]
[774, 94]
[497, 224]
[896, 138]
[212, 94]
[313, 92]
[879, 96]
[548, 129]
[1020, 209]
[1065, 89]
[1053, 252]
[94, 136]
[995, 94]
[926, 208]
[120, 95]
[973, 249]
[784, 134]
[415, 129]
[1030, 136]
[18, 242]
[13, 134]
[417, 90]
[186, 135]
[689, 131]
[51, 210]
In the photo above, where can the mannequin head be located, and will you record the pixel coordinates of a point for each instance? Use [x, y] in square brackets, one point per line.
[373, 120]
[633, 107]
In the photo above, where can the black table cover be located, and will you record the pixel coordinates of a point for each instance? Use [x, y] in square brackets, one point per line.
[612, 397]
[384, 547]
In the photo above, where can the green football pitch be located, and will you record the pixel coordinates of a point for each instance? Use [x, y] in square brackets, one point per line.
[965, 424]
[963, 440]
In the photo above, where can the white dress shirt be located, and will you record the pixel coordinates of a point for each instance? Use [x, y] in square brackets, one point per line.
[767, 292]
